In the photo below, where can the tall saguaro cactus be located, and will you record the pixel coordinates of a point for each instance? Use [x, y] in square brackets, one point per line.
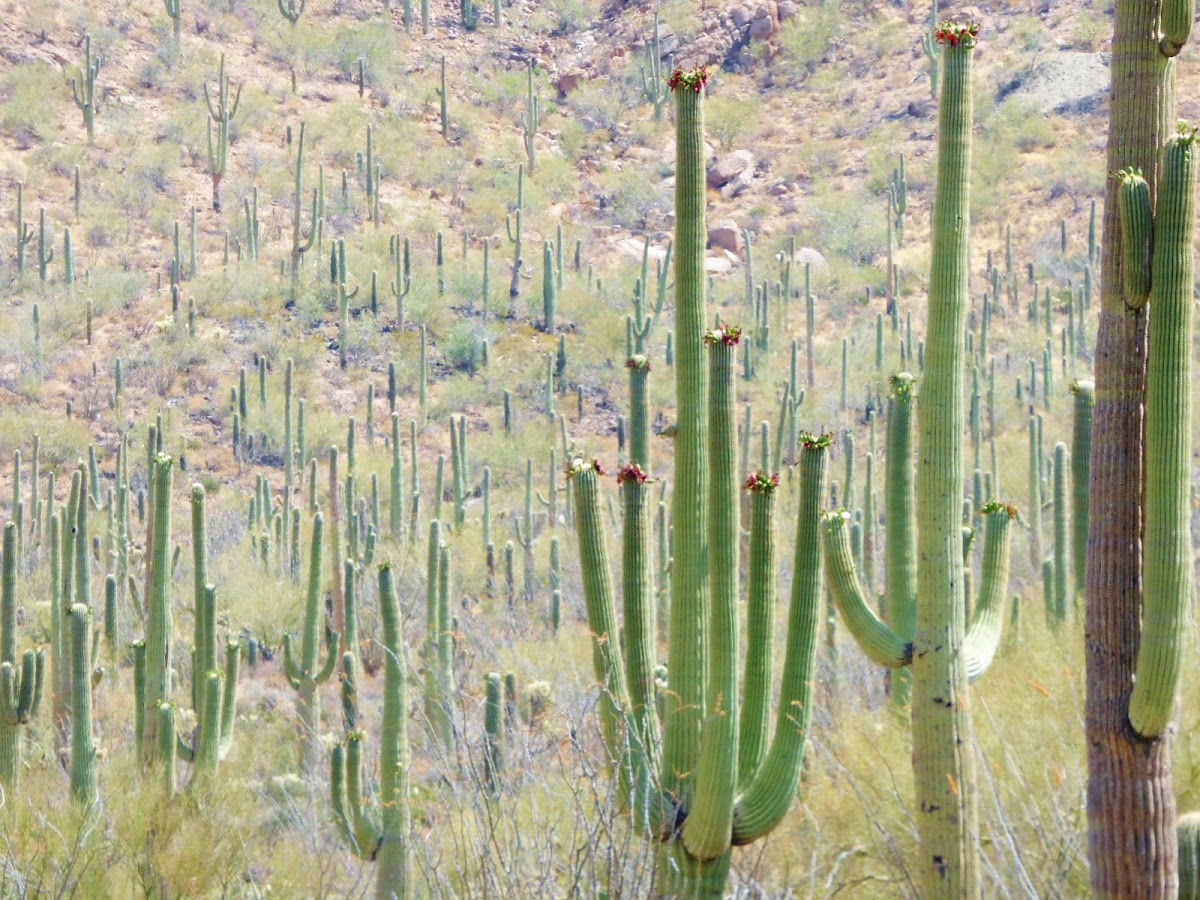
[1131, 799]
[943, 654]
[300, 246]
[221, 112]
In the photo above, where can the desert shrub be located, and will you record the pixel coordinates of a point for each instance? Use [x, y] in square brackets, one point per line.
[804, 40]
[27, 91]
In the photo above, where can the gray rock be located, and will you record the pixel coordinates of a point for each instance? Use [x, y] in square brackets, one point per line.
[730, 168]
[725, 234]
[1064, 83]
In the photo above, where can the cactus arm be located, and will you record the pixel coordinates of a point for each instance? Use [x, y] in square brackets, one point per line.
[9, 706]
[769, 797]
[601, 608]
[290, 669]
[312, 231]
[638, 595]
[754, 722]
[1137, 236]
[987, 622]
[1167, 563]
[877, 640]
[337, 796]
[237, 98]
[367, 834]
[1177, 18]
[30, 695]
[229, 698]
[331, 659]
[709, 827]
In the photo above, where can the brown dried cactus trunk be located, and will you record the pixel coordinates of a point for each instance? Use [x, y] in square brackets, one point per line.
[1131, 806]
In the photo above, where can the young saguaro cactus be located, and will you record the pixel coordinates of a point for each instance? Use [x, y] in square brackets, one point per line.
[382, 836]
[83, 88]
[530, 119]
[20, 684]
[221, 112]
[291, 10]
[653, 85]
[174, 9]
[943, 655]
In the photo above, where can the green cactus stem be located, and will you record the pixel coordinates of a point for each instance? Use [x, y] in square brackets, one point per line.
[493, 735]
[1167, 547]
[1187, 833]
[530, 119]
[83, 745]
[653, 84]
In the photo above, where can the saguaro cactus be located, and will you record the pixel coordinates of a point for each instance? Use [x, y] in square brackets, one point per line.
[221, 112]
[1084, 392]
[300, 246]
[530, 120]
[688, 792]
[384, 835]
[1131, 798]
[943, 654]
[20, 688]
[303, 674]
[83, 88]
[653, 85]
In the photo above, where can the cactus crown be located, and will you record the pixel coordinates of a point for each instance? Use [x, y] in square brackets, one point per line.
[578, 465]
[638, 361]
[835, 518]
[729, 335]
[1129, 175]
[692, 80]
[761, 481]
[1184, 133]
[1083, 385]
[902, 384]
[816, 441]
[956, 34]
[996, 506]
[630, 472]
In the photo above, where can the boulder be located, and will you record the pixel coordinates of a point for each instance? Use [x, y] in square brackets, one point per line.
[1065, 82]
[788, 10]
[725, 234]
[731, 167]
[762, 28]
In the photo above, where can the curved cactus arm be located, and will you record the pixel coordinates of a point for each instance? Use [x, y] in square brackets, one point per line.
[1137, 235]
[769, 797]
[877, 640]
[331, 659]
[290, 669]
[514, 235]
[1167, 546]
[229, 698]
[1176, 23]
[183, 750]
[304, 247]
[337, 796]
[987, 622]
[367, 833]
